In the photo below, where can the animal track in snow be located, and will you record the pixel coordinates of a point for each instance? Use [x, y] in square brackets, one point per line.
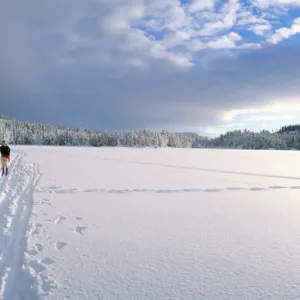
[80, 229]
[32, 252]
[54, 187]
[257, 189]
[295, 187]
[45, 201]
[36, 249]
[91, 191]
[36, 228]
[47, 261]
[212, 190]
[36, 266]
[277, 187]
[59, 219]
[68, 191]
[39, 247]
[168, 191]
[235, 189]
[48, 284]
[60, 245]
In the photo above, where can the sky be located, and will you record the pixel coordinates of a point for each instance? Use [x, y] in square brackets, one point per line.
[208, 66]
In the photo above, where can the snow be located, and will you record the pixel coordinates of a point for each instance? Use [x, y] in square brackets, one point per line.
[118, 223]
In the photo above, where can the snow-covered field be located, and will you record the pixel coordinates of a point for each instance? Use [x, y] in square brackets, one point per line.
[159, 224]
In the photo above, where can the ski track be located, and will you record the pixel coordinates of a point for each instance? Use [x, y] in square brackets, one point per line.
[61, 190]
[15, 210]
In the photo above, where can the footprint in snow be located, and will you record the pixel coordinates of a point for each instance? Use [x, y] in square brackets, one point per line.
[36, 228]
[212, 190]
[78, 218]
[32, 252]
[235, 189]
[80, 229]
[36, 249]
[47, 261]
[276, 187]
[255, 189]
[39, 247]
[295, 187]
[46, 201]
[48, 285]
[90, 191]
[67, 191]
[59, 219]
[36, 266]
[53, 187]
[60, 245]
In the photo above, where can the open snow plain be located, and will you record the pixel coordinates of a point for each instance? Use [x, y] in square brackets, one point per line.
[150, 224]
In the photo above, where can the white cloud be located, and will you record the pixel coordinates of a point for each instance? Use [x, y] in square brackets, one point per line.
[198, 5]
[285, 33]
[176, 38]
[248, 46]
[261, 29]
[214, 131]
[226, 19]
[266, 3]
[288, 106]
[121, 18]
[261, 118]
[225, 42]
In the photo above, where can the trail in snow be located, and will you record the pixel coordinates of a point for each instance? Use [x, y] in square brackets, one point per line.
[203, 169]
[62, 190]
[15, 210]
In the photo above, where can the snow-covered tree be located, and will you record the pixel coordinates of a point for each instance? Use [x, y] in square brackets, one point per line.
[16, 132]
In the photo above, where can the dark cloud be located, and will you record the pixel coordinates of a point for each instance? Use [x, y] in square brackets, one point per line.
[59, 66]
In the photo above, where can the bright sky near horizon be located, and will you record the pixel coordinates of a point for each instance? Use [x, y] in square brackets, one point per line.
[202, 65]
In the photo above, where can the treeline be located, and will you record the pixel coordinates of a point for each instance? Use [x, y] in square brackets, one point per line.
[281, 140]
[24, 133]
[289, 128]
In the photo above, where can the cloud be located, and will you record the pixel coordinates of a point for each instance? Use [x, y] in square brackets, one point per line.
[123, 64]
[267, 118]
[261, 29]
[275, 109]
[285, 33]
[267, 3]
[225, 19]
[199, 5]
